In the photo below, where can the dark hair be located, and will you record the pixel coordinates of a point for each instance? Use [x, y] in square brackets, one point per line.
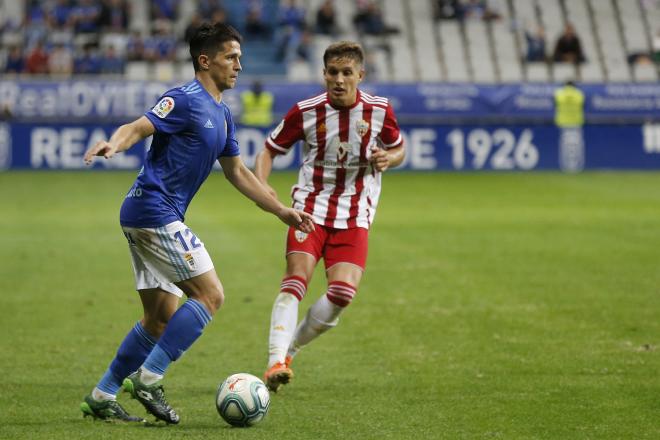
[344, 49]
[209, 38]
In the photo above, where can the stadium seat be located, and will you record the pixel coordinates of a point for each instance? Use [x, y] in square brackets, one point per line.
[137, 70]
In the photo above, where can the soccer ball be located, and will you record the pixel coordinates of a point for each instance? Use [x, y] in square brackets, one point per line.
[242, 400]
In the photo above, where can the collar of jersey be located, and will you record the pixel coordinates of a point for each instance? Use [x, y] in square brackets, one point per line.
[208, 95]
[357, 101]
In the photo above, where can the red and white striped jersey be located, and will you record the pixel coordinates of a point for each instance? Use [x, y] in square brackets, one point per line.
[336, 183]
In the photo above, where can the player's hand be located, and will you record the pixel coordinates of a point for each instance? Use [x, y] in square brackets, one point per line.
[101, 148]
[379, 159]
[298, 219]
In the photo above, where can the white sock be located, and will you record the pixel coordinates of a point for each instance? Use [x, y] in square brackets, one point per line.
[99, 395]
[148, 377]
[321, 317]
[282, 325]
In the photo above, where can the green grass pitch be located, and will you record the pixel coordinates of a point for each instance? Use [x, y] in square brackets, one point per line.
[506, 306]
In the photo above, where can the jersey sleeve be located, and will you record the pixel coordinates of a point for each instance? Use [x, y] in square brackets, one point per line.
[287, 133]
[390, 135]
[171, 114]
[231, 144]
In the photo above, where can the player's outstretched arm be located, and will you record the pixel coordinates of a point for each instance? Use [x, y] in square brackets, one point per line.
[247, 183]
[382, 159]
[121, 140]
[263, 166]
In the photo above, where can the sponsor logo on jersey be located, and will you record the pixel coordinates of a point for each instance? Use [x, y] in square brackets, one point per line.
[322, 128]
[164, 107]
[342, 151]
[208, 124]
[362, 127]
[300, 236]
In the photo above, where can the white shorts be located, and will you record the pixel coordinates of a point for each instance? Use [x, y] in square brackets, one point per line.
[166, 255]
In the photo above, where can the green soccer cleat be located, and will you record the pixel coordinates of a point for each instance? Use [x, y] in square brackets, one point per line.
[152, 397]
[108, 410]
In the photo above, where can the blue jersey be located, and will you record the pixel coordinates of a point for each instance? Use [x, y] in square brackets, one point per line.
[192, 132]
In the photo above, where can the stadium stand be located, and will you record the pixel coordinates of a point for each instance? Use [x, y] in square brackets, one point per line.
[481, 41]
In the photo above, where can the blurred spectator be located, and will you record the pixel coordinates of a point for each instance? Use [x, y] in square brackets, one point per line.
[291, 22]
[219, 16]
[369, 20]
[535, 44]
[36, 24]
[257, 106]
[291, 15]
[114, 16]
[87, 63]
[474, 9]
[135, 47]
[164, 10]
[195, 22]
[304, 46]
[206, 8]
[61, 15]
[60, 61]
[254, 24]
[15, 62]
[493, 10]
[326, 19]
[111, 63]
[36, 61]
[568, 48]
[86, 16]
[161, 46]
[447, 10]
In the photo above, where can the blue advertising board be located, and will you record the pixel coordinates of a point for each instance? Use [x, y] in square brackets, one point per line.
[429, 147]
[120, 101]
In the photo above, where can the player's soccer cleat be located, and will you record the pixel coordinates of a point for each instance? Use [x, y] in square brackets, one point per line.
[108, 410]
[279, 374]
[152, 397]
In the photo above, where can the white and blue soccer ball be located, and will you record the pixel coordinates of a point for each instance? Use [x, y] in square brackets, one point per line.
[242, 400]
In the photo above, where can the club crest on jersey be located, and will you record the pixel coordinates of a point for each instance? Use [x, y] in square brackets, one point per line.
[190, 260]
[164, 107]
[362, 127]
[300, 236]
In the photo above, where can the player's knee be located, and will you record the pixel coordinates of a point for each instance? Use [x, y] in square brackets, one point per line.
[214, 298]
[340, 293]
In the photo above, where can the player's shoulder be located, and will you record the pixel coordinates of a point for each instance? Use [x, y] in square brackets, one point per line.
[312, 102]
[378, 101]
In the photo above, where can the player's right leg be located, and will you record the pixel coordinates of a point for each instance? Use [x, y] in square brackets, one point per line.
[205, 296]
[284, 318]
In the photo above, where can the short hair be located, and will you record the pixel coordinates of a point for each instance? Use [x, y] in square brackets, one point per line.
[344, 49]
[209, 38]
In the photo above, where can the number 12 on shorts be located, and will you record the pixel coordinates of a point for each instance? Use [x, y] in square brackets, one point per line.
[193, 239]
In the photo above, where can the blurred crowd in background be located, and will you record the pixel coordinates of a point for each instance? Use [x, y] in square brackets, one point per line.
[86, 37]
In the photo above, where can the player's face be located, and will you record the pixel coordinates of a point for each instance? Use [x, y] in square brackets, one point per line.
[342, 76]
[225, 65]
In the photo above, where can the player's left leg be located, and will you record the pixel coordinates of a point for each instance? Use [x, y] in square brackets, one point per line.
[205, 296]
[345, 257]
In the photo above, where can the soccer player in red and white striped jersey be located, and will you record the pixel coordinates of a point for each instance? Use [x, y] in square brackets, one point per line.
[350, 139]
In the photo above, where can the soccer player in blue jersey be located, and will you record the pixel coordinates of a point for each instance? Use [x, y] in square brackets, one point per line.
[192, 128]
